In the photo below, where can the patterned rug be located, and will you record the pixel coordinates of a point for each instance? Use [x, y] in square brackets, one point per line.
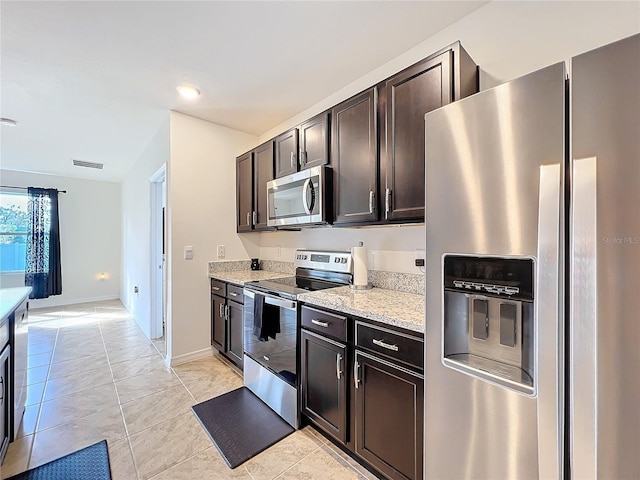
[89, 463]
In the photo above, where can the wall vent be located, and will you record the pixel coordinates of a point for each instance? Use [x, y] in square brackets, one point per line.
[82, 163]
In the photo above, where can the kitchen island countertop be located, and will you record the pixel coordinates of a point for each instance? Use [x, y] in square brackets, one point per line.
[11, 298]
[241, 277]
[401, 309]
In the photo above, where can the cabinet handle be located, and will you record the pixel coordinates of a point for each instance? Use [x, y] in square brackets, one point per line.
[388, 346]
[249, 218]
[320, 323]
[266, 358]
[293, 159]
[215, 288]
[255, 217]
[302, 158]
[356, 380]
[226, 312]
[387, 202]
[233, 294]
[2, 390]
[222, 310]
[338, 371]
[372, 197]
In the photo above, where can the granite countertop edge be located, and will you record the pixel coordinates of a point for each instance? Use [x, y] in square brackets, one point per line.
[241, 277]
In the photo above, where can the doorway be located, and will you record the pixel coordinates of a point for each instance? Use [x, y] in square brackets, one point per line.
[158, 310]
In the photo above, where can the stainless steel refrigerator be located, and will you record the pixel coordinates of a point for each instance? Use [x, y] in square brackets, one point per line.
[532, 363]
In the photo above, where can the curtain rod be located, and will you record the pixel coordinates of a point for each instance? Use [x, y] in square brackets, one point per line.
[24, 188]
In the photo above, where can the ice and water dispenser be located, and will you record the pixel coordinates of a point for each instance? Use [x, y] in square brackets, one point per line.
[489, 319]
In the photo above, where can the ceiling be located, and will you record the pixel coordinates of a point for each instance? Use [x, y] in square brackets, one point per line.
[94, 81]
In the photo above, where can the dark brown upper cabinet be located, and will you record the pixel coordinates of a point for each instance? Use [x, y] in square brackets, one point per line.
[404, 100]
[313, 138]
[262, 173]
[286, 145]
[244, 192]
[354, 159]
[302, 147]
[253, 170]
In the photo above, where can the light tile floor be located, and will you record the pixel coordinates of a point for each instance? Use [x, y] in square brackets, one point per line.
[93, 374]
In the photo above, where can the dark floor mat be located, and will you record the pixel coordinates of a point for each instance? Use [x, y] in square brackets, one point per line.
[240, 425]
[91, 462]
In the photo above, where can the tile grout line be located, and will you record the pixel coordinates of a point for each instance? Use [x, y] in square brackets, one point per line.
[46, 382]
[124, 422]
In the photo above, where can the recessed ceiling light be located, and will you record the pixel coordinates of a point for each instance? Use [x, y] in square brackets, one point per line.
[9, 122]
[188, 91]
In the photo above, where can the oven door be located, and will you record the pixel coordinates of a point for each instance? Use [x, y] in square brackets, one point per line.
[276, 354]
[298, 199]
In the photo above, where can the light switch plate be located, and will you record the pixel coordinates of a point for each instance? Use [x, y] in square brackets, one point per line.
[188, 253]
[221, 251]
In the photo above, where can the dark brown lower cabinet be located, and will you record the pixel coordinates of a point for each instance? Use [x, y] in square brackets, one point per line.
[389, 417]
[235, 344]
[363, 385]
[227, 320]
[324, 383]
[218, 322]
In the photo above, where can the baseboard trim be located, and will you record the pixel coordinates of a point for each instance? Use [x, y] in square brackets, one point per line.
[190, 357]
[61, 302]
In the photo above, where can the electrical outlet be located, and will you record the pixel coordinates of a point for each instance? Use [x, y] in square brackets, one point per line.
[221, 251]
[136, 289]
[419, 257]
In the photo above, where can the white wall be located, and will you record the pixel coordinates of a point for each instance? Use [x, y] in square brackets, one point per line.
[136, 228]
[202, 210]
[89, 237]
[507, 40]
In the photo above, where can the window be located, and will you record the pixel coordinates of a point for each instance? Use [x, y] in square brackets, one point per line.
[14, 225]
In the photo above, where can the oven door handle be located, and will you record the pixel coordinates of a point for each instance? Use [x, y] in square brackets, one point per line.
[271, 300]
[278, 302]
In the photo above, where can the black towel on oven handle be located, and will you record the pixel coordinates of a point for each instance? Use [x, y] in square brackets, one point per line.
[266, 319]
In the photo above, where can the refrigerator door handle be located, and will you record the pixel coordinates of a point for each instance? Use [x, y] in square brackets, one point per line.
[549, 379]
[583, 319]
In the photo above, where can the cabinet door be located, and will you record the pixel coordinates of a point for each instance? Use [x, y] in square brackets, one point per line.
[244, 192]
[218, 323]
[354, 158]
[262, 173]
[236, 330]
[408, 96]
[5, 401]
[314, 141]
[286, 145]
[324, 383]
[389, 417]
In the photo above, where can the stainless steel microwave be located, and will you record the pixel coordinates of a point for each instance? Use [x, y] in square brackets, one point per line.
[302, 198]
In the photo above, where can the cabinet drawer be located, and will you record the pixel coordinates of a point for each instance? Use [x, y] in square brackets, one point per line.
[218, 288]
[395, 345]
[234, 293]
[325, 323]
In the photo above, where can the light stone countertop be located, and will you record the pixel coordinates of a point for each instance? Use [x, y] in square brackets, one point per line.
[241, 277]
[401, 309]
[11, 298]
[392, 307]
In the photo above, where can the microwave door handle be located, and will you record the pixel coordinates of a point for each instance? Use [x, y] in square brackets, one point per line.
[305, 187]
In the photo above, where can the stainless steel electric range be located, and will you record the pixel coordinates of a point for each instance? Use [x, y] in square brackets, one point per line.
[271, 327]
